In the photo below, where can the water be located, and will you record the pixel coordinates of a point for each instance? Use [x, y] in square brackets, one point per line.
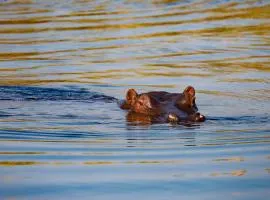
[64, 63]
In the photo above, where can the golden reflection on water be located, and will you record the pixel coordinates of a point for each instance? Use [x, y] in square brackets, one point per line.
[144, 162]
[153, 41]
[240, 172]
[19, 163]
[235, 159]
[25, 163]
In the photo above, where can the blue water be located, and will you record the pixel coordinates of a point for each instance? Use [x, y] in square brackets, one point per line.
[64, 65]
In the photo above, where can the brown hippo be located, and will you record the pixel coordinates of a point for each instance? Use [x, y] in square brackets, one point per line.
[160, 106]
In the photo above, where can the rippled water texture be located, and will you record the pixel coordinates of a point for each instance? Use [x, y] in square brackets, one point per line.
[64, 64]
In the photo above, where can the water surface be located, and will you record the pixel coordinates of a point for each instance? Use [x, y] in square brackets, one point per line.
[64, 64]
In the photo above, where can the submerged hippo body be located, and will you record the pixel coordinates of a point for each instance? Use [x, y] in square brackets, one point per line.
[160, 106]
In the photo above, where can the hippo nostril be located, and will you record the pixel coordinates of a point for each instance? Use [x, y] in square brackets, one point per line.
[202, 118]
[199, 117]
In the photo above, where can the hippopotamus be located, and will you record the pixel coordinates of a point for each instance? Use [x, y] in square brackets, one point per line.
[161, 106]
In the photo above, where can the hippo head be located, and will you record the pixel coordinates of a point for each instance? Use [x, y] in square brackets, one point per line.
[163, 106]
[143, 103]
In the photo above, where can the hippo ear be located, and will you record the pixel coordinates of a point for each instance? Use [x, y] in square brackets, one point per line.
[131, 96]
[190, 91]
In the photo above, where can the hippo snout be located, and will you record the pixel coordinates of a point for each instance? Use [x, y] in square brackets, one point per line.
[199, 117]
[196, 117]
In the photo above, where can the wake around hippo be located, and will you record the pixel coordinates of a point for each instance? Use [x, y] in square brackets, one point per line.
[161, 107]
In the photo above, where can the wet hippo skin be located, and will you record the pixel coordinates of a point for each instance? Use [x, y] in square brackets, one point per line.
[160, 106]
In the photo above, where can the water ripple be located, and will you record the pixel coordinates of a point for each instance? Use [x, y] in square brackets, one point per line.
[17, 93]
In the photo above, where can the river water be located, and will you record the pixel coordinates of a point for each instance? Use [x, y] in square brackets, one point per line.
[64, 63]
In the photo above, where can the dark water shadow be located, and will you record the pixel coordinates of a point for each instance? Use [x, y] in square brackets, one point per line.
[45, 135]
[248, 119]
[23, 93]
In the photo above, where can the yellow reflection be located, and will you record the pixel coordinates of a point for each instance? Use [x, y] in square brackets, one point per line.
[98, 163]
[238, 173]
[241, 172]
[61, 163]
[19, 163]
[239, 64]
[21, 1]
[246, 80]
[234, 159]
[216, 14]
[155, 162]
[34, 55]
[150, 85]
